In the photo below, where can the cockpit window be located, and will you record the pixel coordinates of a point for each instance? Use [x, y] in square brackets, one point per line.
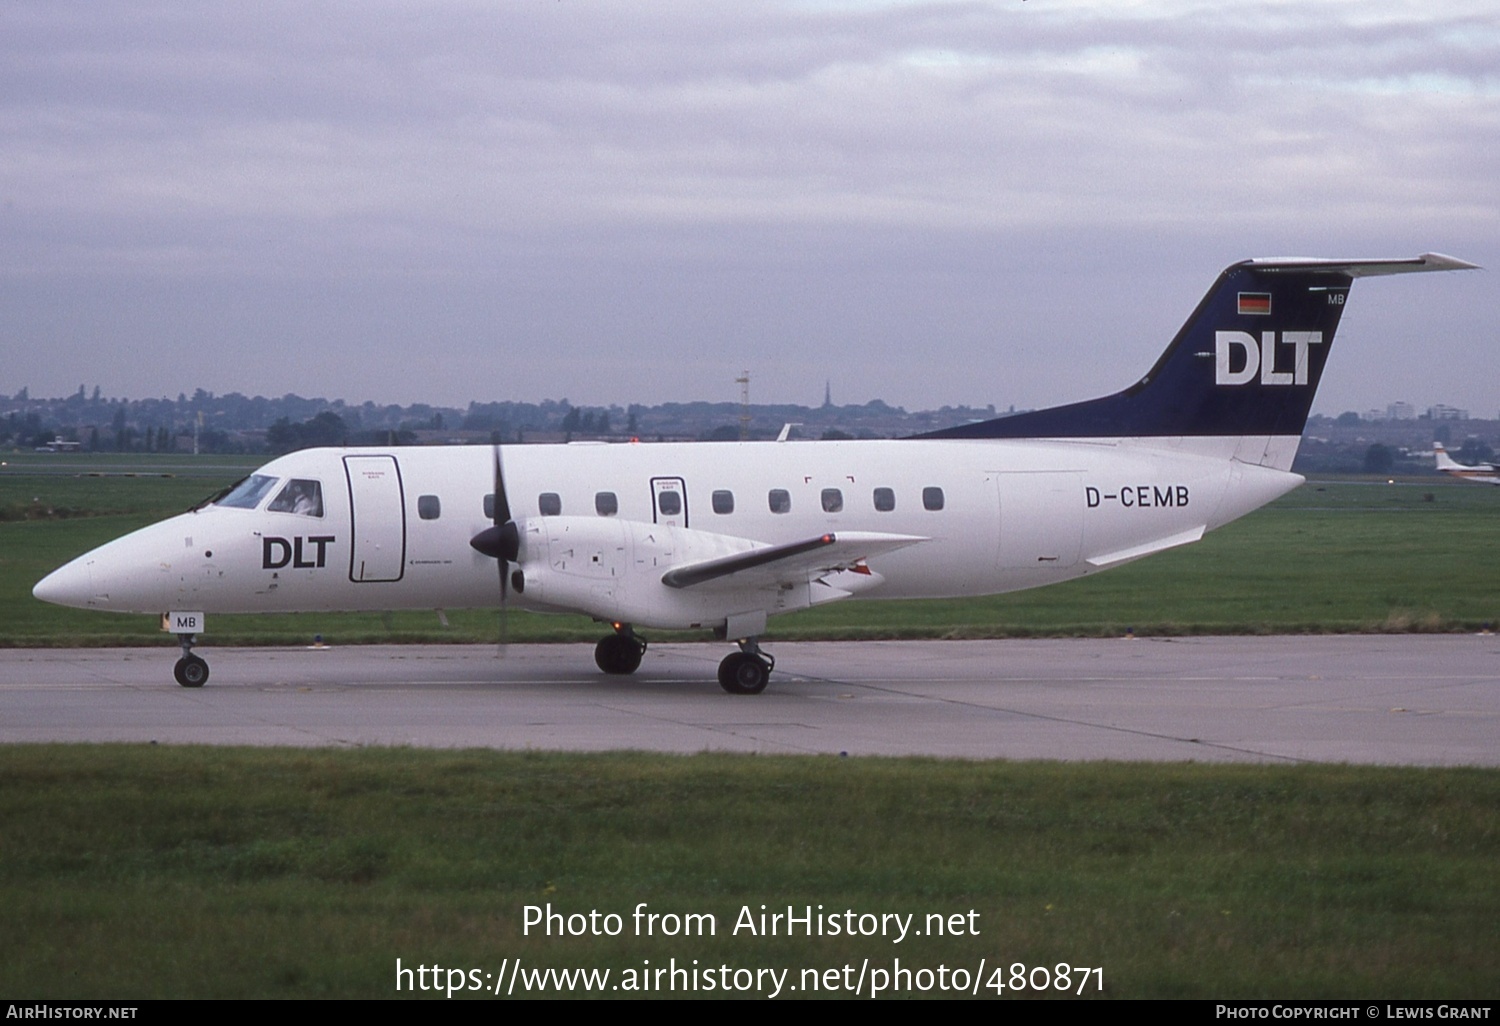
[299, 496]
[248, 493]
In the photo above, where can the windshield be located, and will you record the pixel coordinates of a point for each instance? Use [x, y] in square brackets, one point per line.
[248, 493]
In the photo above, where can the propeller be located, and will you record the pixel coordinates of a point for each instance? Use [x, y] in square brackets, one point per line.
[502, 543]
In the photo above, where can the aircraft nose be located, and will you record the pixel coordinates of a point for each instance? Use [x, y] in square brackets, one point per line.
[133, 574]
[68, 585]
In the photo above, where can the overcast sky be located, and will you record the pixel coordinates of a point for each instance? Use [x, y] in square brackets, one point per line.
[1014, 202]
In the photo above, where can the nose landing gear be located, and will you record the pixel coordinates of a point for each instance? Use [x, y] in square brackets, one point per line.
[191, 671]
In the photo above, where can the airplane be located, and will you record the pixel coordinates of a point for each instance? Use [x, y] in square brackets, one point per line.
[1485, 473]
[722, 536]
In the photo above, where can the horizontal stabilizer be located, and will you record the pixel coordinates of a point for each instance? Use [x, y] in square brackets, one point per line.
[1364, 268]
[827, 552]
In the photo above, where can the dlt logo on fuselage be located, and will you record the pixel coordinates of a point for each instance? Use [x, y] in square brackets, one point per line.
[1260, 357]
[276, 553]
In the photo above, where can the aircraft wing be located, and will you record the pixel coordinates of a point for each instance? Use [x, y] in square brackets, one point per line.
[771, 564]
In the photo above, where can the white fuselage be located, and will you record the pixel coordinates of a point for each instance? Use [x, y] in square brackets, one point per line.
[723, 536]
[600, 527]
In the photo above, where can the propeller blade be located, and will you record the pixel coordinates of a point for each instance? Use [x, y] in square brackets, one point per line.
[502, 504]
[506, 543]
[504, 642]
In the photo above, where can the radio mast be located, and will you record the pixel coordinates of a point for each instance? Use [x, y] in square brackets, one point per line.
[744, 382]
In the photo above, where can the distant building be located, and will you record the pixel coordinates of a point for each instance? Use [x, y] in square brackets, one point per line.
[1400, 411]
[1441, 412]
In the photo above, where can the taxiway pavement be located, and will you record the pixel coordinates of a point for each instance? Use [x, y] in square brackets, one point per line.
[1390, 699]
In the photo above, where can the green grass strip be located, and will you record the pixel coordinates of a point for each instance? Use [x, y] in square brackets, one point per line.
[155, 871]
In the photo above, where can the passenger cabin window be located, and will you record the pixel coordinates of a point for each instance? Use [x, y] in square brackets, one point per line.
[549, 504]
[833, 500]
[299, 496]
[885, 500]
[780, 500]
[489, 506]
[723, 501]
[606, 504]
[248, 493]
[932, 498]
[670, 503]
[429, 507]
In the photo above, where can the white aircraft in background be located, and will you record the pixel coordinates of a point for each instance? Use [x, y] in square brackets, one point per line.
[1484, 473]
[722, 536]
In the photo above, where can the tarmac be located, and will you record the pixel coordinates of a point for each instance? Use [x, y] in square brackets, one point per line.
[1373, 699]
[1395, 699]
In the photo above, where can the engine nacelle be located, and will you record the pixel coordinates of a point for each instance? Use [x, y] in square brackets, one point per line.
[612, 569]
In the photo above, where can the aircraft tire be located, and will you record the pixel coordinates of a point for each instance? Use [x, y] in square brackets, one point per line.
[618, 655]
[742, 673]
[191, 672]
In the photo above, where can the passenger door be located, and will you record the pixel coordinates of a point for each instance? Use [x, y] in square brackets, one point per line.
[377, 512]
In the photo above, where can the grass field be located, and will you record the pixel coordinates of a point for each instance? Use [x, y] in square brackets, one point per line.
[153, 871]
[1350, 555]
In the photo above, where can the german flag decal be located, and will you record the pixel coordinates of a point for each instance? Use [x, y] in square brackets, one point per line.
[1255, 303]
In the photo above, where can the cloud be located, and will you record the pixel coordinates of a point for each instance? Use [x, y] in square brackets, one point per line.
[548, 152]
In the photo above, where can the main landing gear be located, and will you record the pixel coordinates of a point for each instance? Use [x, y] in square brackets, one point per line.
[191, 671]
[620, 653]
[746, 672]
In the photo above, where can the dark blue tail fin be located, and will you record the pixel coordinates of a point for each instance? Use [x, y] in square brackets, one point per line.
[1247, 362]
